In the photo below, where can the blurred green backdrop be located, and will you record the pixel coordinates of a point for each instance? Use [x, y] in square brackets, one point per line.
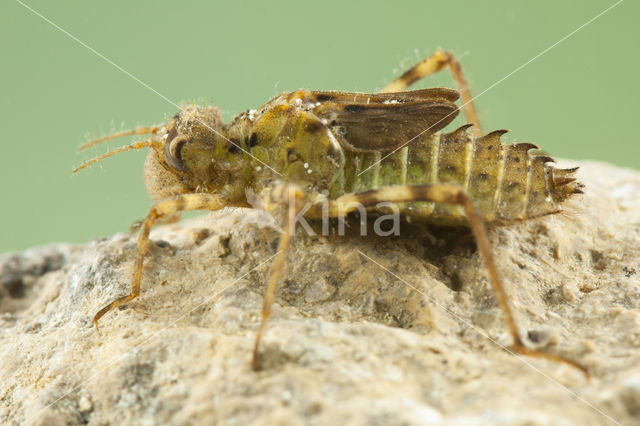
[579, 100]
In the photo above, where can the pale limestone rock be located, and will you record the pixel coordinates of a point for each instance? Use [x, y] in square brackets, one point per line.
[348, 343]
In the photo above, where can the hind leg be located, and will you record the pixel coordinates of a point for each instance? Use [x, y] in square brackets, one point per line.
[452, 195]
[431, 65]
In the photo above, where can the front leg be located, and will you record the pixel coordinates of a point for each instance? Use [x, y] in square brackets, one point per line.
[158, 212]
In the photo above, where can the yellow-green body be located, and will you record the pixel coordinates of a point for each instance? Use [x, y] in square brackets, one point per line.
[287, 140]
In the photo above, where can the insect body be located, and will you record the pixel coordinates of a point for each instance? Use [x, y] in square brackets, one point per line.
[331, 151]
[338, 143]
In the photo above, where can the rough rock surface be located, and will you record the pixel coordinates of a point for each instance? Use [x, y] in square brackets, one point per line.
[348, 343]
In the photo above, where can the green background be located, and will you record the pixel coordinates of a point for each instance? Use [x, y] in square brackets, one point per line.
[579, 100]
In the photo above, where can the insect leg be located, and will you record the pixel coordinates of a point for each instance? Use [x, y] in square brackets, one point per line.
[454, 195]
[159, 211]
[290, 197]
[431, 65]
[137, 225]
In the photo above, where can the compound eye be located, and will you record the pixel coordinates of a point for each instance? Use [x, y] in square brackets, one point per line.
[173, 149]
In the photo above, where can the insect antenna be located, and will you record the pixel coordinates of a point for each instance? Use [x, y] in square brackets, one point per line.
[138, 131]
[150, 143]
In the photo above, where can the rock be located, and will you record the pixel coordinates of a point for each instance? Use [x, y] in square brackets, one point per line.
[348, 342]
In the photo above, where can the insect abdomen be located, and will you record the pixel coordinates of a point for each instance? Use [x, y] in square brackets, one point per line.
[505, 182]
